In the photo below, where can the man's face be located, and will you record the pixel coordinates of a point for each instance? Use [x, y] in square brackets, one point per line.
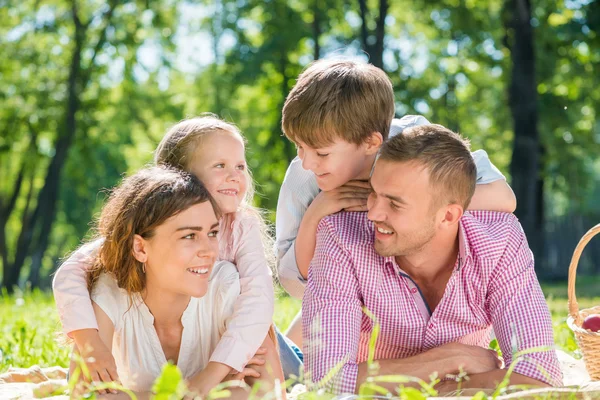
[402, 208]
[335, 164]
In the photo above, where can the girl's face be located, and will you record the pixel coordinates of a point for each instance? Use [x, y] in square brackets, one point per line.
[220, 163]
[180, 256]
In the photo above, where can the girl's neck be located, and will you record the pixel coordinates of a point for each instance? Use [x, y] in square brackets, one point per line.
[166, 307]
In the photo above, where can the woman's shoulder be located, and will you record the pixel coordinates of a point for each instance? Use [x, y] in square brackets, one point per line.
[109, 296]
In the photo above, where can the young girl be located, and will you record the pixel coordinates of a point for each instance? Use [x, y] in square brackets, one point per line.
[149, 282]
[213, 151]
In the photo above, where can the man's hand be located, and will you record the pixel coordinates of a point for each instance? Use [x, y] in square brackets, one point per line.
[475, 359]
[96, 356]
[350, 197]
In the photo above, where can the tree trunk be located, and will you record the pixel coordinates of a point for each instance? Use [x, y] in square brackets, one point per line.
[316, 30]
[48, 196]
[525, 163]
[373, 42]
[27, 226]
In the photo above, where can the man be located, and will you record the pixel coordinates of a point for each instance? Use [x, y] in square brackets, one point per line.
[437, 279]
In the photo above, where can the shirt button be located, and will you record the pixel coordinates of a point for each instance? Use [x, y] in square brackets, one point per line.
[413, 290]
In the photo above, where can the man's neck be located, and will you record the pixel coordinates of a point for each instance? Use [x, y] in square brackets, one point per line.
[435, 259]
[166, 307]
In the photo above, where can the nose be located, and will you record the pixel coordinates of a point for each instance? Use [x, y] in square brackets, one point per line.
[207, 250]
[309, 161]
[374, 213]
[233, 174]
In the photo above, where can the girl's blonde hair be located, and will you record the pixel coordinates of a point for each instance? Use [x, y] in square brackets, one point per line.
[177, 150]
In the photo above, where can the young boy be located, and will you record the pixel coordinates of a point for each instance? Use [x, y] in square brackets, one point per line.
[338, 114]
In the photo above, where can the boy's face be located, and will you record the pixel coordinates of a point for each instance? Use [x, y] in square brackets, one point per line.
[337, 163]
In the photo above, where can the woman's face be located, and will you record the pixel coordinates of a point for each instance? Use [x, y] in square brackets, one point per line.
[220, 163]
[180, 256]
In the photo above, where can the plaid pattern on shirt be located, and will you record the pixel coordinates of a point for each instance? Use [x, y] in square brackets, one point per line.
[493, 286]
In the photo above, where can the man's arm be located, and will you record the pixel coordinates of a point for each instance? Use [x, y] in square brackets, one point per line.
[519, 312]
[331, 315]
[488, 380]
[448, 359]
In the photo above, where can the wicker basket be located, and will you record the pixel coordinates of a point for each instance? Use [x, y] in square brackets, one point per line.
[589, 342]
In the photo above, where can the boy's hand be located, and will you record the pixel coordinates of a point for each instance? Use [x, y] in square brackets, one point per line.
[97, 357]
[350, 197]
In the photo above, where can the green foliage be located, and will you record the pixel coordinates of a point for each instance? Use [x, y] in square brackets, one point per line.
[147, 64]
[169, 385]
[29, 329]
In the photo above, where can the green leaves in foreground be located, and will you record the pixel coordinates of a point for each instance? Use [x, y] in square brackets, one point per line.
[169, 385]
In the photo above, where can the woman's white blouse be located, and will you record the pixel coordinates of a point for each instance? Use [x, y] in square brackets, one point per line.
[136, 347]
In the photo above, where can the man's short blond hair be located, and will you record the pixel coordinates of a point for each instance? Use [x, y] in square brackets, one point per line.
[338, 99]
[446, 156]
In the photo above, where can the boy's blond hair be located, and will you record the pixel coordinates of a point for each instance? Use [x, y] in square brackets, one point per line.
[338, 99]
[446, 156]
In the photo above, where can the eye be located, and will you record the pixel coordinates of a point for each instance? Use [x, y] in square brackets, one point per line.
[322, 154]
[220, 165]
[213, 234]
[394, 205]
[241, 167]
[190, 236]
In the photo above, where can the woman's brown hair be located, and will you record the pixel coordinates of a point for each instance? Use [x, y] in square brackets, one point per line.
[140, 204]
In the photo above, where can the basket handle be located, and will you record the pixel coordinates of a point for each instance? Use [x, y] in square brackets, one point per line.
[573, 306]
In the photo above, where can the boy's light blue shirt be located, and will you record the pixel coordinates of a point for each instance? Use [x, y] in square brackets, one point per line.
[299, 188]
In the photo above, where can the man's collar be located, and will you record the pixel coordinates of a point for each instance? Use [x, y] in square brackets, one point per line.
[464, 249]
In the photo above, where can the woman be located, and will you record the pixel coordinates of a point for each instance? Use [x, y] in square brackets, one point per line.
[157, 293]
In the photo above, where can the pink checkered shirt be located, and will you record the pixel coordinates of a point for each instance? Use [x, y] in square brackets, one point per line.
[493, 286]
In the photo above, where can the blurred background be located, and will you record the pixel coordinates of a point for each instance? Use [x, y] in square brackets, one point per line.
[88, 88]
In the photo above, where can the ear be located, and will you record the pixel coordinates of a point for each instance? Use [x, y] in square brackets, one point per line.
[452, 214]
[373, 143]
[139, 249]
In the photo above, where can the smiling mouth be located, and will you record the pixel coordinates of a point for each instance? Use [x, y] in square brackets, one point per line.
[322, 175]
[384, 231]
[228, 192]
[199, 271]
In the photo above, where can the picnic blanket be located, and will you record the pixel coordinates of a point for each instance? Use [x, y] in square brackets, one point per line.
[50, 383]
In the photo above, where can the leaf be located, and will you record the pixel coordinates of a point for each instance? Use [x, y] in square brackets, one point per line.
[168, 384]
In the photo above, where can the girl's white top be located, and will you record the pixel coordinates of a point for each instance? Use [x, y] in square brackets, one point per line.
[136, 347]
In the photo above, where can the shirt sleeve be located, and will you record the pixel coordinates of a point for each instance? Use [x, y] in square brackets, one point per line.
[70, 290]
[110, 298]
[228, 293]
[253, 311]
[400, 124]
[520, 315]
[298, 190]
[331, 315]
[486, 171]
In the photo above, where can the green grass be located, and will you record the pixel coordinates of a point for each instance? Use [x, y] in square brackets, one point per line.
[29, 325]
